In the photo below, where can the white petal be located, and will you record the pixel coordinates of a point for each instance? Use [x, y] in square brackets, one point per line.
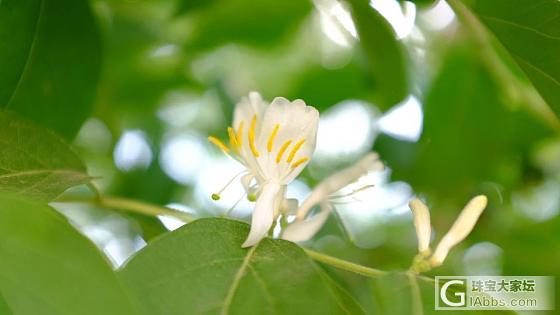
[295, 122]
[422, 224]
[304, 230]
[263, 215]
[247, 108]
[335, 182]
[460, 229]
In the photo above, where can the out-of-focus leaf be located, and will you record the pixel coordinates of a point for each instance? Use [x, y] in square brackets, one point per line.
[48, 267]
[4, 309]
[391, 294]
[259, 22]
[50, 60]
[140, 67]
[530, 31]
[202, 269]
[184, 6]
[34, 161]
[341, 84]
[385, 55]
[470, 137]
[399, 294]
[420, 2]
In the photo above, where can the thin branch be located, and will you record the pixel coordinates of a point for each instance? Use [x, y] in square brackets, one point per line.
[344, 264]
[130, 205]
[417, 307]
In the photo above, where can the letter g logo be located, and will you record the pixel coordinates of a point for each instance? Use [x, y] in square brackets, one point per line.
[461, 295]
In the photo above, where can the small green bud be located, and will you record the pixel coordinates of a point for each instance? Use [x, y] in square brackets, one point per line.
[252, 198]
[215, 197]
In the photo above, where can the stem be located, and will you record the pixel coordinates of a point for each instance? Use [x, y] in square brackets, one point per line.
[344, 265]
[417, 306]
[130, 205]
[145, 208]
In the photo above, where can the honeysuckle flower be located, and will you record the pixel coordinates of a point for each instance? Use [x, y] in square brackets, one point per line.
[302, 229]
[460, 229]
[274, 142]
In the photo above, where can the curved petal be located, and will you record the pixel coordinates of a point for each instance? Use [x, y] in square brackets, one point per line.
[301, 231]
[249, 108]
[284, 122]
[263, 215]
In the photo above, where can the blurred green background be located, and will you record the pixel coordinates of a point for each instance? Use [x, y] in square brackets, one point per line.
[458, 98]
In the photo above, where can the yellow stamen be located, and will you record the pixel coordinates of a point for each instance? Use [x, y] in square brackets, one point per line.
[294, 150]
[252, 136]
[232, 137]
[299, 162]
[271, 138]
[282, 150]
[240, 134]
[218, 143]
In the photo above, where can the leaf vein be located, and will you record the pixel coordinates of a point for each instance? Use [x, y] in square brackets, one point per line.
[31, 49]
[236, 280]
[527, 28]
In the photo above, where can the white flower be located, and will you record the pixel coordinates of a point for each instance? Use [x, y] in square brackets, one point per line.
[274, 142]
[303, 230]
[462, 227]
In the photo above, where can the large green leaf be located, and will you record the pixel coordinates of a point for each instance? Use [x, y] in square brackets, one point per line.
[259, 22]
[342, 83]
[472, 141]
[50, 61]
[530, 31]
[385, 55]
[48, 267]
[202, 269]
[34, 161]
[4, 308]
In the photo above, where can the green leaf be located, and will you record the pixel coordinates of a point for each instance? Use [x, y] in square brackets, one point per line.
[48, 267]
[202, 269]
[36, 162]
[4, 309]
[257, 22]
[50, 60]
[342, 83]
[385, 55]
[472, 141]
[530, 31]
[184, 6]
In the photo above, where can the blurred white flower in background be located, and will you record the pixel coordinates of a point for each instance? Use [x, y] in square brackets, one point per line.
[132, 151]
[483, 258]
[347, 129]
[181, 157]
